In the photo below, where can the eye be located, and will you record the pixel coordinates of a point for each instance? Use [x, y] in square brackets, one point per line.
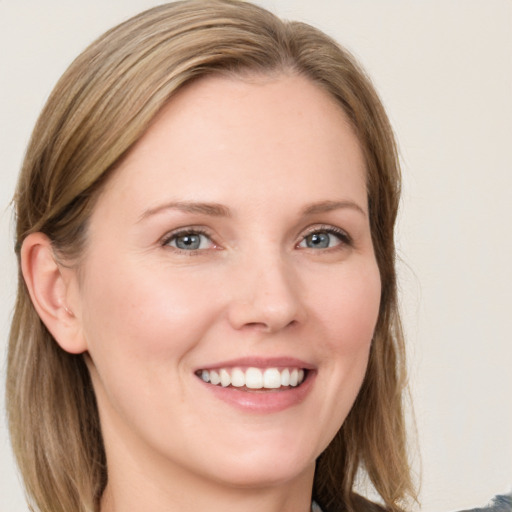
[324, 239]
[189, 241]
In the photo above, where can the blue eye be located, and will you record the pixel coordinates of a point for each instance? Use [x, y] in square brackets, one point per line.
[324, 239]
[189, 241]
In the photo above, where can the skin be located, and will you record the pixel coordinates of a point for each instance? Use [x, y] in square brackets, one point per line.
[148, 314]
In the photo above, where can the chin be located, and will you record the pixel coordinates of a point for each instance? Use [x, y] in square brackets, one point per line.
[265, 473]
[266, 460]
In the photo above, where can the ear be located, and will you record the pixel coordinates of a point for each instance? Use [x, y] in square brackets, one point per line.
[50, 286]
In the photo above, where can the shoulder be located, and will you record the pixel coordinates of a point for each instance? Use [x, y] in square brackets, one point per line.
[361, 505]
[364, 505]
[500, 503]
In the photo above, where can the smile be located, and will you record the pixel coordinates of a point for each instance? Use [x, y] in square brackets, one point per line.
[254, 378]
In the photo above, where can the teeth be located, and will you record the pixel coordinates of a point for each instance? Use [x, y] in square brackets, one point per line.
[254, 378]
[271, 378]
[285, 377]
[214, 377]
[237, 378]
[225, 379]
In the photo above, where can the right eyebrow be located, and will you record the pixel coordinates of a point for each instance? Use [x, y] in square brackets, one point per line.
[329, 206]
[210, 209]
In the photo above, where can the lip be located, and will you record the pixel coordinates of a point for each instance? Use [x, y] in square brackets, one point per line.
[259, 362]
[259, 401]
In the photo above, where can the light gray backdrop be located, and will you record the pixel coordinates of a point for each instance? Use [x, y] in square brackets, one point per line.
[444, 71]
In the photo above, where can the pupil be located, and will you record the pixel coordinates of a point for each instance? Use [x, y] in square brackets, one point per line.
[188, 242]
[318, 240]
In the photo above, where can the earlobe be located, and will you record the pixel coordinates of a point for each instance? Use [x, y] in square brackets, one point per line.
[49, 286]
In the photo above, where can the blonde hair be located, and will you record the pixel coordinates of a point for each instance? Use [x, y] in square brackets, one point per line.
[100, 107]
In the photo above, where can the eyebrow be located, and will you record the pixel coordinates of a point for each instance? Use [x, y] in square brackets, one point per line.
[328, 206]
[219, 210]
[211, 209]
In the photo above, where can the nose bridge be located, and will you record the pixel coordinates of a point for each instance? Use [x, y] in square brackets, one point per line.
[267, 293]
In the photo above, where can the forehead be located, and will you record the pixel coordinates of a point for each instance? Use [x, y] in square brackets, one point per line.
[256, 133]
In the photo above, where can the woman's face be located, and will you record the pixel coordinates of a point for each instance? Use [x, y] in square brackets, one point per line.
[232, 243]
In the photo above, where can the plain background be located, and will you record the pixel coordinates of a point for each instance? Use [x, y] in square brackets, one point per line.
[444, 71]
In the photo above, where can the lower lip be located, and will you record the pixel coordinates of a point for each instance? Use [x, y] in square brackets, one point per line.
[260, 401]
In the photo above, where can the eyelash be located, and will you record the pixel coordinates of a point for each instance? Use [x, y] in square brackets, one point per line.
[343, 237]
[183, 232]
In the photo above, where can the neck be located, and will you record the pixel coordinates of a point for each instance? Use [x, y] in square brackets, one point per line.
[192, 494]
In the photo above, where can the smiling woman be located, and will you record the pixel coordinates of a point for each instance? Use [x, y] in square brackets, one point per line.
[206, 313]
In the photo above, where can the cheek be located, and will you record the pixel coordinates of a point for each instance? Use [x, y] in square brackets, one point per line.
[137, 314]
[349, 307]
[348, 314]
[141, 328]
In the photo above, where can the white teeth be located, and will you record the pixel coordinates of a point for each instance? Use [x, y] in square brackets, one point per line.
[237, 378]
[214, 377]
[225, 379]
[271, 378]
[285, 377]
[254, 378]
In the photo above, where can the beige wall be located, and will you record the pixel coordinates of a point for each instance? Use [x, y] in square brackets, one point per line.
[444, 70]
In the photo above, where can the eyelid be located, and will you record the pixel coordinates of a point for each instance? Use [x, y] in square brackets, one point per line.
[188, 230]
[343, 235]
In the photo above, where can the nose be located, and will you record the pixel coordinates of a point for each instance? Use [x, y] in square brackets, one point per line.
[266, 295]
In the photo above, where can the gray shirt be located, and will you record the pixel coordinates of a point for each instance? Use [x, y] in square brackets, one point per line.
[500, 503]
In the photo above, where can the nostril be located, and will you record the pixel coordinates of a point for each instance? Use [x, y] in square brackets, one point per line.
[264, 315]
[256, 326]
[264, 327]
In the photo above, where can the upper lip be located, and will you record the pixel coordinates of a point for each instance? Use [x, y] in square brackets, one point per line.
[260, 362]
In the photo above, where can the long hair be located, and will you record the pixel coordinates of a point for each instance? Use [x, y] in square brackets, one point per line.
[100, 107]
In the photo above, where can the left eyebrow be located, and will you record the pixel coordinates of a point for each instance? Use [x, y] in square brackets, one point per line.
[328, 206]
[212, 209]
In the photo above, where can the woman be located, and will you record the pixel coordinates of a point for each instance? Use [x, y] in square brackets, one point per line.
[206, 313]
